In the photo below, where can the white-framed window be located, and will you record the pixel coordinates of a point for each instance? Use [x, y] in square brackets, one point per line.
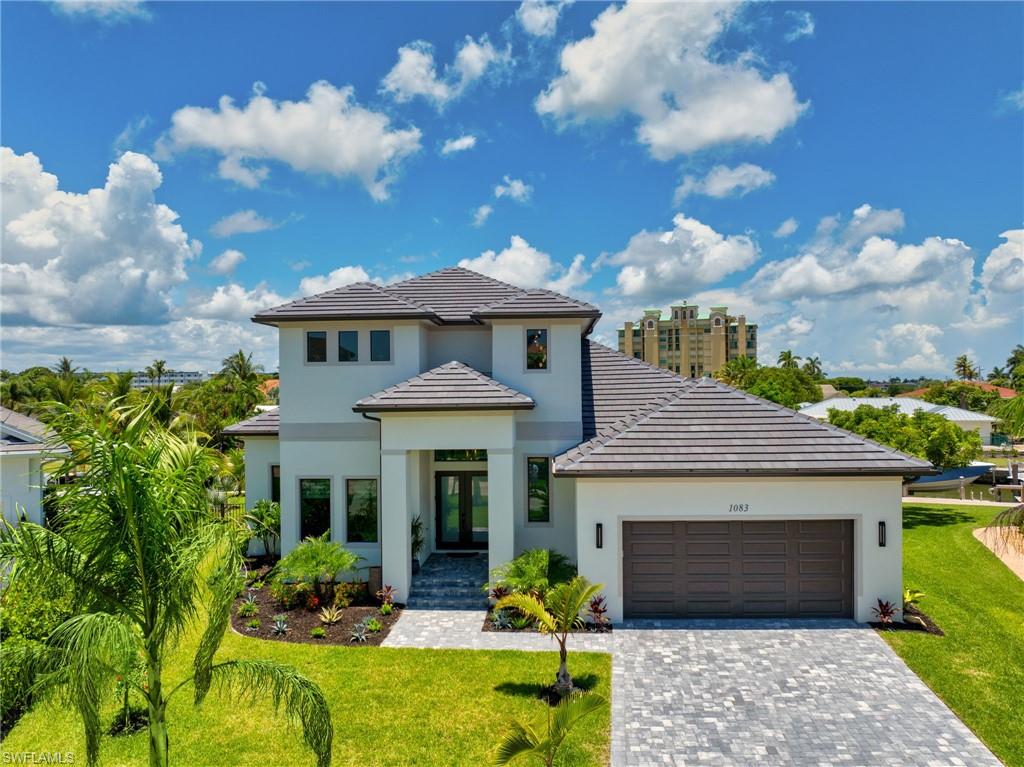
[316, 346]
[538, 490]
[380, 346]
[537, 349]
[348, 346]
[314, 506]
[362, 510]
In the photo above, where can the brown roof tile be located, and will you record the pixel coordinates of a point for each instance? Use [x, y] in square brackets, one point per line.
[359, 301]
[263, 424]
[452, 386]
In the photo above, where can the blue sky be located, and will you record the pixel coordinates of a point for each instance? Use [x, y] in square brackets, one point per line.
[631, 155]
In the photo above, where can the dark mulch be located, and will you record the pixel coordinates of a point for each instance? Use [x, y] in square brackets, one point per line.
[588, 628]
[138, 720]
[929, 627]
[301, 621]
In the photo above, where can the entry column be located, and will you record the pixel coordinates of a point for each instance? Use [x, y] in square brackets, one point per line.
[395, 543]
[500, 513]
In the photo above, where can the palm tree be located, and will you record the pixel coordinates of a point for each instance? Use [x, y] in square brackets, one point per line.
[145, 561]
[155, 372]
[64, 368]
[117, 386]
[525, 740]
[240, 365]
[812, 366]
[788, 360]
[1016, 357]
[558, 615]
[964, 368]
[737, 372]
[996, 374]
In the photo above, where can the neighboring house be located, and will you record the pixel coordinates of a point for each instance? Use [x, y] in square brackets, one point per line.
[485, 410]
[176, 377]
[828, 391]
[1004, 392]
[967, 420]
[23, 445]
[688, 342]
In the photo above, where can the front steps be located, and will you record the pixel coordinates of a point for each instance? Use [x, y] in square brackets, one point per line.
[447, 582]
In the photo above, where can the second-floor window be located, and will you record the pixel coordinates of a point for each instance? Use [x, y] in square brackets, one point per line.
[380, 346]
[348, 346]
[537, 349]
[316, 346]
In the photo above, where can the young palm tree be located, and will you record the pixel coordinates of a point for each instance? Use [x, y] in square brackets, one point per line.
[145, 561]
[240, 365]
[737, 372]
[558, 615]
[523, 740]
[64, 368]
[964, 368]
[788, 360]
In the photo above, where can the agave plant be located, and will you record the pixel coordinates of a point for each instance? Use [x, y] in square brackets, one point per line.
[280, 626]
[330, 615]
[524, 740]
[358, 633]
[558, 615]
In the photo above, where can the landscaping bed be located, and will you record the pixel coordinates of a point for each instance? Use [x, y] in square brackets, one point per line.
[925, 625]
[516, 627]
[300, 618]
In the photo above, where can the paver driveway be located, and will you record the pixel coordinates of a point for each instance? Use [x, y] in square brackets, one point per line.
[741, 693]
[787, 692]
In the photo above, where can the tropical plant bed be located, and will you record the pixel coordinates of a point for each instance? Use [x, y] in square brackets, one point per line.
[587, 627]
[926, 624]
[301, 621]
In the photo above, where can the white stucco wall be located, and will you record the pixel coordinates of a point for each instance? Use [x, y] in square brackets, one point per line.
[469, 345]
[867, 501]
[21, 488]
[984, 429]
[260, 454]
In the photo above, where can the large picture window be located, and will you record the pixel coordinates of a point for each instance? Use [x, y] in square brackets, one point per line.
[361, 510]
[380, 346]
[275, 483]
[314, 507]
[537, 349]
[538, 490]
[316, 346]
[348, 346]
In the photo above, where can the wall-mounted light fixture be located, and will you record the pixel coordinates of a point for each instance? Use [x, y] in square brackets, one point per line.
[600, 535]
[881, 533]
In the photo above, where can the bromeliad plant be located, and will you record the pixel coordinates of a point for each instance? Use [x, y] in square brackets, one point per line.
[885, 611]
[558, 615]
[145, 559]
[524, 740]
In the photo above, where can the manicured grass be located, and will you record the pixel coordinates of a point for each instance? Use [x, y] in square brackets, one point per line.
[389, 707]
[978, 667]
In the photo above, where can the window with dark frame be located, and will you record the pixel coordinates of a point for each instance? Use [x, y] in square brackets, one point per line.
[361, 510]
[314, 507]
[537, 349]
[348, 346]
[275, 483]
[380, 346]
[538, 488]
[316, 346]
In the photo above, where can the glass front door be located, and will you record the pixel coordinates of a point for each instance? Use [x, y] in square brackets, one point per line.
[461, 499]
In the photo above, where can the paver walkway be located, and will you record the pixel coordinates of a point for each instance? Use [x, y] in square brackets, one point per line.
[727, 692]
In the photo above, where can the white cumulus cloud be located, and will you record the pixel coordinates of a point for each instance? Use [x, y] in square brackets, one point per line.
[227, 261]
[786, 228]
[325, 133]
[723, 181]
[241, 222]
[513, 188]
[460, 144]
[234, 302]
[415, 73]
[523, 265]
[481, 214]
[109, 256]
[105, 11]
[690, 255]
[658, 61]
[802, 25]
[339, 278]
[538, 17]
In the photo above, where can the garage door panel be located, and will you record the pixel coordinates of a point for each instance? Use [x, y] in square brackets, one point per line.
[757, 568]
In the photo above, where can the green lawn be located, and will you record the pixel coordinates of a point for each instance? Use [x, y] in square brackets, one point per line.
[978, 667]
[389, 706]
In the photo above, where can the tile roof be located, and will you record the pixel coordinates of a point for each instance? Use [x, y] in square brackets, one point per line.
[705, 428]
[906, 405]
[452, 386]
[453, 295]
[1004, 391]
[20, 433]
[263, 424]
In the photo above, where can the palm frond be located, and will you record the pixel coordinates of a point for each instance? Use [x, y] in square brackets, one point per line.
[520, 740]
[529, 605]
[300, 698]
[224, 584]
[570, 710]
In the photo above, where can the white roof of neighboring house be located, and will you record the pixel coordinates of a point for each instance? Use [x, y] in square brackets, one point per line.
[23, 434]
[907, 405]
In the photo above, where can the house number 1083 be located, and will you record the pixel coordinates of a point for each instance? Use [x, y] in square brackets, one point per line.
[739, 507]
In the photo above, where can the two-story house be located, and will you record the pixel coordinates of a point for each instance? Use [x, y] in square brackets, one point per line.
[484, 410]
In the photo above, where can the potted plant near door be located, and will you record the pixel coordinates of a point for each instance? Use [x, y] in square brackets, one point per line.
[417, 543]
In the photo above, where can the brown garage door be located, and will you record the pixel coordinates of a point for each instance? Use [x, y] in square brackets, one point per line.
[791, 568]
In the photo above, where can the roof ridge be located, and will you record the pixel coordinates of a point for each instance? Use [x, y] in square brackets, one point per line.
[444, 269]
[532, 291]
[642, 363]
[823, 424]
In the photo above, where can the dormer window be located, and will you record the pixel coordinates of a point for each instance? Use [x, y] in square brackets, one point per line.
[348, 346]
[316, 346]
[537, 349]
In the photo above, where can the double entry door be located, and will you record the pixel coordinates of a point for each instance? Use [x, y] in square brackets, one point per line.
[461, 503]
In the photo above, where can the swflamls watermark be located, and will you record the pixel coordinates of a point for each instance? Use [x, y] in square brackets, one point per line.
[37, 757]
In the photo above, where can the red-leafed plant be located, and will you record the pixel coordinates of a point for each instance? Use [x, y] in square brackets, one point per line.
[597, 612]
[885, 612]
[498, 592]
[312, 602]
[386, 595]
